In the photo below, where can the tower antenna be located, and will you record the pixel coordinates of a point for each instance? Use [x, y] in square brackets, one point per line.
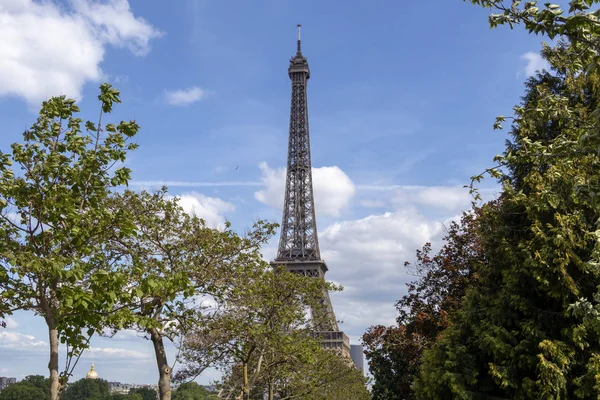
[299, 49]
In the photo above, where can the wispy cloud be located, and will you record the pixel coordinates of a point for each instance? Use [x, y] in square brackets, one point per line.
[444, 199]
[211, 209]
[535, 63]
[19, 341]
[182, 97]
[192, 184]
[112, 353]
[11, 323]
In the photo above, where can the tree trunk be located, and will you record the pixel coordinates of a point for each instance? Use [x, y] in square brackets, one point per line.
[271, 389]
[53, 363]
[246, 388]
[164, 371]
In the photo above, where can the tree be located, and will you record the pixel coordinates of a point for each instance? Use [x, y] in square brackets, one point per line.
[394, 360]
[257, 331]
[543, 273]
[324, 375]
[38, 381]
[171, 260]
[33, 387]
[521, 331]
[191, 391]
[394, 353]
[129, 396]
[18, 391]
[145, 393]
[54, 223]
[87, 389]
[579, 25]
[329, 377]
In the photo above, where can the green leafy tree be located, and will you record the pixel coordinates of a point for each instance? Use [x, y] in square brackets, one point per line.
[536, 332]
[171, 260]
[328, 376]
[55, 222]
[38, 381]
[322, 375]
[192, 391]
[145, 393]
[87, 389]
[129, 396]
[258, 330]
[33, 387]
[18, 391]
[579, 24]
[520, 333]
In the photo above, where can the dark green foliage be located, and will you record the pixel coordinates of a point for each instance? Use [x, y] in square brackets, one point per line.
[130, 396]
[516, 335]
[33, 387]
[22, 392]
[87, 389]
[190, 391]
[145, 393]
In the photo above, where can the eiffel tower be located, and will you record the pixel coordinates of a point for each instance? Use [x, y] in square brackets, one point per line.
[298, 248]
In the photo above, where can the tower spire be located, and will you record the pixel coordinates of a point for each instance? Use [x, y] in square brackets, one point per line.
[299, 42]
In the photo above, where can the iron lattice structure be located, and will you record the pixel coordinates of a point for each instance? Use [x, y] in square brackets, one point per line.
[298, 239]
[298, 247]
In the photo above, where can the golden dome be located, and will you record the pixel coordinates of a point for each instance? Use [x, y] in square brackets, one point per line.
[92, 374]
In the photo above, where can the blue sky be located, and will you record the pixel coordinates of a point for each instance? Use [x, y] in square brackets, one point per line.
[402, 98]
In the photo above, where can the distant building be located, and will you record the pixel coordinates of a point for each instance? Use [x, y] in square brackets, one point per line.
[210, 388]
[356, 352]
[120, 388]
[4, 381]
[124, 388]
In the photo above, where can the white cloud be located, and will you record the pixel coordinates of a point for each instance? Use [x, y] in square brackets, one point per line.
[112, 353]
[441, 198]
[333, 189]
[447, 200]
[377, 243]
[114, 23]
[184, 97]
[50, 49]
[269, 251]
[274, 191]
[188, 184]
[372, 203]
[208, 208]
[357, 314]
[11, 323]
[19, 341]
[535, 63]
[367, 257]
